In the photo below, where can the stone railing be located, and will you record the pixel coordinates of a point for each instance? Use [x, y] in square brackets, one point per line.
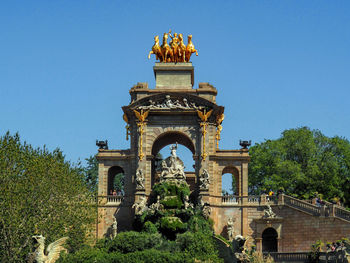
[340, 212]
[110, 199]
[288, 257]
[302, 205]
[324, 257]
[230, 199]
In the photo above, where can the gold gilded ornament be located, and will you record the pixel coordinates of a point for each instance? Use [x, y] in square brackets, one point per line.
[127, 127]
[156, 50]
[141, 116]
[190, 48]
[204, 118]
[219, 119]
[177, 51]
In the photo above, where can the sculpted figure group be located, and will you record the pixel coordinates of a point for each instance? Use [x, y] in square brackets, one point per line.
[177, 51]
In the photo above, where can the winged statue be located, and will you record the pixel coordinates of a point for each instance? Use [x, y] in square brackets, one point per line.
[52, 252]
[204, 116]
[141, 116]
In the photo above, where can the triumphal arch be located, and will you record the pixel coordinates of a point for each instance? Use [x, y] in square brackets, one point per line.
[175, 112]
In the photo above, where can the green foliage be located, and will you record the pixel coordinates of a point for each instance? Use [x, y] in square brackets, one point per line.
[148, 245]
[131, 241]
[118, 182]
[171, 189]
[172, 202]
[198, 223]
[91, 173]
[150, 228]
[170, 226]
[145, 256]
[302, 162]
[40, 193]
[198, 245]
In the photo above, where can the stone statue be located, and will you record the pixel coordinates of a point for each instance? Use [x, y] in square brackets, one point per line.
[187, 203]
[157, 205]
[172, 168]
[52, 251]
[230, 228]
[268, 213]
[204, 180]
[206, 210]
[173, 149]
[140, 180]
[114, 228]
[141, 206]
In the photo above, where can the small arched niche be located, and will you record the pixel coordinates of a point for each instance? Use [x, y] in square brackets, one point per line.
[230, 181]
[269, 240]
[115, 181]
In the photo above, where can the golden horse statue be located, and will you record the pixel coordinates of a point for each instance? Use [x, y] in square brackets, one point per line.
[175, 51]
[156, 50]
[190, 48]
[168, 55]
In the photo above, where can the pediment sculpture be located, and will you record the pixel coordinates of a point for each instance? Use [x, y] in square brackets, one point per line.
[168, 103]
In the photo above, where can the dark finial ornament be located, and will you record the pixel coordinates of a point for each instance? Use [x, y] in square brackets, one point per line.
[102, 144]
[245, 144]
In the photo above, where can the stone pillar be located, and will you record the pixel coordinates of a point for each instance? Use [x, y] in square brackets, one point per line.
[244, 182]
[174, 75]
[258, 241]
[103, 178]
[244, 193]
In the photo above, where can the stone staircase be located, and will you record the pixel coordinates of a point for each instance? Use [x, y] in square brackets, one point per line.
[327, 210]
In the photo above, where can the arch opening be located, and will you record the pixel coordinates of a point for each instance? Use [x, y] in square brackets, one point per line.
[269, 240]
[230, 181]
[171, 138]
[115, 181]
[185, 152]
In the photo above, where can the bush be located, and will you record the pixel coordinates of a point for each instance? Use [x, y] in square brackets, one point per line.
[198, 245]
[150, 228]
[170, 189]
[131, 241]
[89, 255]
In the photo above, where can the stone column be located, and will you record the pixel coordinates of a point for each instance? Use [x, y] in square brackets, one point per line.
[258, 241]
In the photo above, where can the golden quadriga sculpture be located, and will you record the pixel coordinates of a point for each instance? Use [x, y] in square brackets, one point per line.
[177, 51]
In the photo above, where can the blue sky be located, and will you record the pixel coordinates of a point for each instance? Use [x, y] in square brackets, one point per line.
[66, 66]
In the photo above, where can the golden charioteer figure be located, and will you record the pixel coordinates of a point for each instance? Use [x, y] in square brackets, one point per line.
[177, 51]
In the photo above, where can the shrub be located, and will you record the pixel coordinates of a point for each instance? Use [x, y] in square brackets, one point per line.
[170, 226]
[150, 228]
[131, 241]
[198, 245]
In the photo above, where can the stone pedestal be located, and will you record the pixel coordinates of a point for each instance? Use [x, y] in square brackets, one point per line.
[174, 75]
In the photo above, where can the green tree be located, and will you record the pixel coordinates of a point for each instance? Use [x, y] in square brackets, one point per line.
[40, 193]
[91, 173]
[302, 162]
